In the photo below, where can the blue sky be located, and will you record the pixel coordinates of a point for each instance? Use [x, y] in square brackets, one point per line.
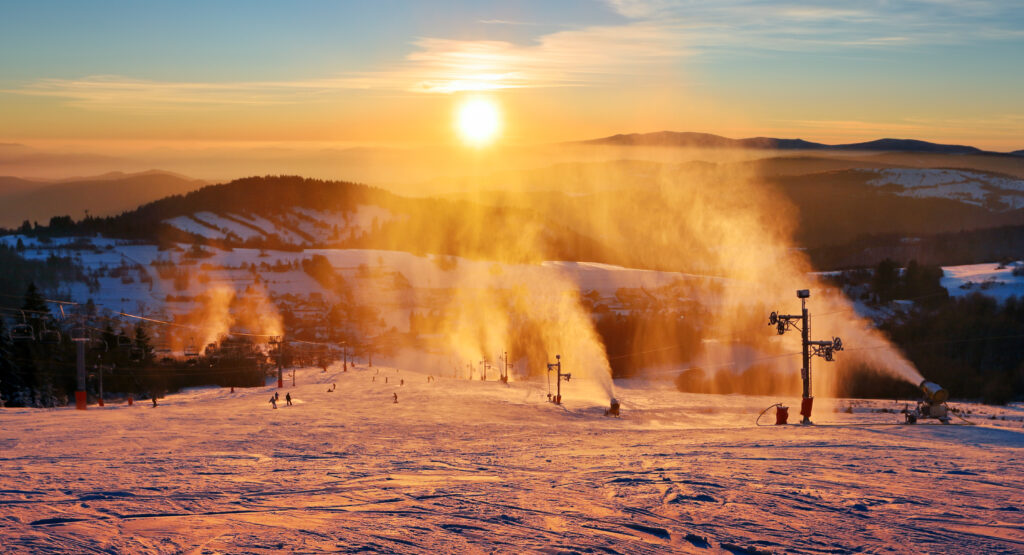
[938, 70]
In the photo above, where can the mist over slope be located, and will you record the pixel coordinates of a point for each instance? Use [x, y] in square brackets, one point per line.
[104, 195]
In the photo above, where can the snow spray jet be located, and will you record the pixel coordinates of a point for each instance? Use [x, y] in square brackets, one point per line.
[219, 309]
[210, 319]
[255, 312]
[731, 236]
[497, 296]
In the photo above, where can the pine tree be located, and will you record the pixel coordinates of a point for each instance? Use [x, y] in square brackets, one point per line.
[143, 343]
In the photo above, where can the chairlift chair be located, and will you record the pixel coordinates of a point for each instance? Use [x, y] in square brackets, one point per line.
[80, 333]
[48, 336]
[22, 331]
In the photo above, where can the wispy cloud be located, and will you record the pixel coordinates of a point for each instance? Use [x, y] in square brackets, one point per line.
[569, 58]
[774, 25]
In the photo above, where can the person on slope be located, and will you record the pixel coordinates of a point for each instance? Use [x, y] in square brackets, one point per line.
[288, 398]
[273, 401]
[396, 398]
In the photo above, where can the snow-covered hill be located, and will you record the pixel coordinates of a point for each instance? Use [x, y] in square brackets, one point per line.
[461, 466]
[993, 192]
[130, 281]
[297, 226]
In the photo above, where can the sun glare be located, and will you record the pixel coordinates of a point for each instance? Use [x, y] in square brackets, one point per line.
[478, 121]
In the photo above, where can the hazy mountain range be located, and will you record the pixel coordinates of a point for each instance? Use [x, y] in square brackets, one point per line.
[707, 140]
[103, 195]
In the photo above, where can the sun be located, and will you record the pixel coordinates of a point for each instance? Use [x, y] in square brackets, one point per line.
[478, 121]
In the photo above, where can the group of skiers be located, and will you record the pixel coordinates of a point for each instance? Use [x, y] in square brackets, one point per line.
[288, 396]
[274, 398]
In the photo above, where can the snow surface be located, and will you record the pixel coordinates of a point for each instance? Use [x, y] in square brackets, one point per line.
[228, 225]
[458, 466]
[979, 189]
[322, 225]
[990, 280]
[190, 225]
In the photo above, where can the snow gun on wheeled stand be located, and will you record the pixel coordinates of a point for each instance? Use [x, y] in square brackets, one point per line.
[932, 406]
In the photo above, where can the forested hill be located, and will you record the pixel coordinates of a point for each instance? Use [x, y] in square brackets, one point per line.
[285, 212]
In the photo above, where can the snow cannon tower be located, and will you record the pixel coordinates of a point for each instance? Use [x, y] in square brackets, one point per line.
[823, 349]
[559, 376]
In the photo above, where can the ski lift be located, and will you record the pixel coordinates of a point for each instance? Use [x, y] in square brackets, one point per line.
[48, 336]
[22, 331]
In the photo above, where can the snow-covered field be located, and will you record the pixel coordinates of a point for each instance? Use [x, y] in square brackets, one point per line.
[296, 226]
[978, 188]
[457, 466]
[992, 280]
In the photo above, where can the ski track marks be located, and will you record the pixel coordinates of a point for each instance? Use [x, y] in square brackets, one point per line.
[475, 467]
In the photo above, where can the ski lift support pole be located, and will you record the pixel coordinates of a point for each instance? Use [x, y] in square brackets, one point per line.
[80, 395]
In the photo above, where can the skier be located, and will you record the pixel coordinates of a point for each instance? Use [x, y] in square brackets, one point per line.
[396, 398]
[403, 382]
[288, 398]
[277, 396]
[154, 399]
[273, 401]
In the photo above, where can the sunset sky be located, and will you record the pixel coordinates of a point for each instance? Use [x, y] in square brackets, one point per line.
[393, 72]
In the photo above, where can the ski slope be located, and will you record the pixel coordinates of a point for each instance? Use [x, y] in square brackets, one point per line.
[462, 466]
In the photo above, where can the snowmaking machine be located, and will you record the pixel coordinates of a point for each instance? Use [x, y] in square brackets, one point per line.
[933, 405]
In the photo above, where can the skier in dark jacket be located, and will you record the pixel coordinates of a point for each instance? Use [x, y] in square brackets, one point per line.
[273, 400]
[288, 398]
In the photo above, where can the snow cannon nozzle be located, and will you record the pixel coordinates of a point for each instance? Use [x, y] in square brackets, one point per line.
[934, 392]
[613, 408]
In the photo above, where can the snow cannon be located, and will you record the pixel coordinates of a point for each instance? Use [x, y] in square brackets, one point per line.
[932, 406]
[613, 408]
[934, 392]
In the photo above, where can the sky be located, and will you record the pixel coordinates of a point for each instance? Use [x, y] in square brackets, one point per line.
[393, 72]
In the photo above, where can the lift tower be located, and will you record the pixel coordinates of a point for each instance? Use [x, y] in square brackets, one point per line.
[823, 349]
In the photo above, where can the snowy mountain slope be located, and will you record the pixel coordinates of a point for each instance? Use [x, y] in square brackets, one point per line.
[471, 466]
[992, 280]
[370, 271]
[296, 226]
[994, 192]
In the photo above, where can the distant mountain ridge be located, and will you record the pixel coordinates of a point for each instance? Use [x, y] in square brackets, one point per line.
[708, 140]
[103, 195]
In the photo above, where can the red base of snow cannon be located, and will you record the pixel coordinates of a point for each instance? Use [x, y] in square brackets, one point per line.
[80, 400]
[781, 415]
[805, 409]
